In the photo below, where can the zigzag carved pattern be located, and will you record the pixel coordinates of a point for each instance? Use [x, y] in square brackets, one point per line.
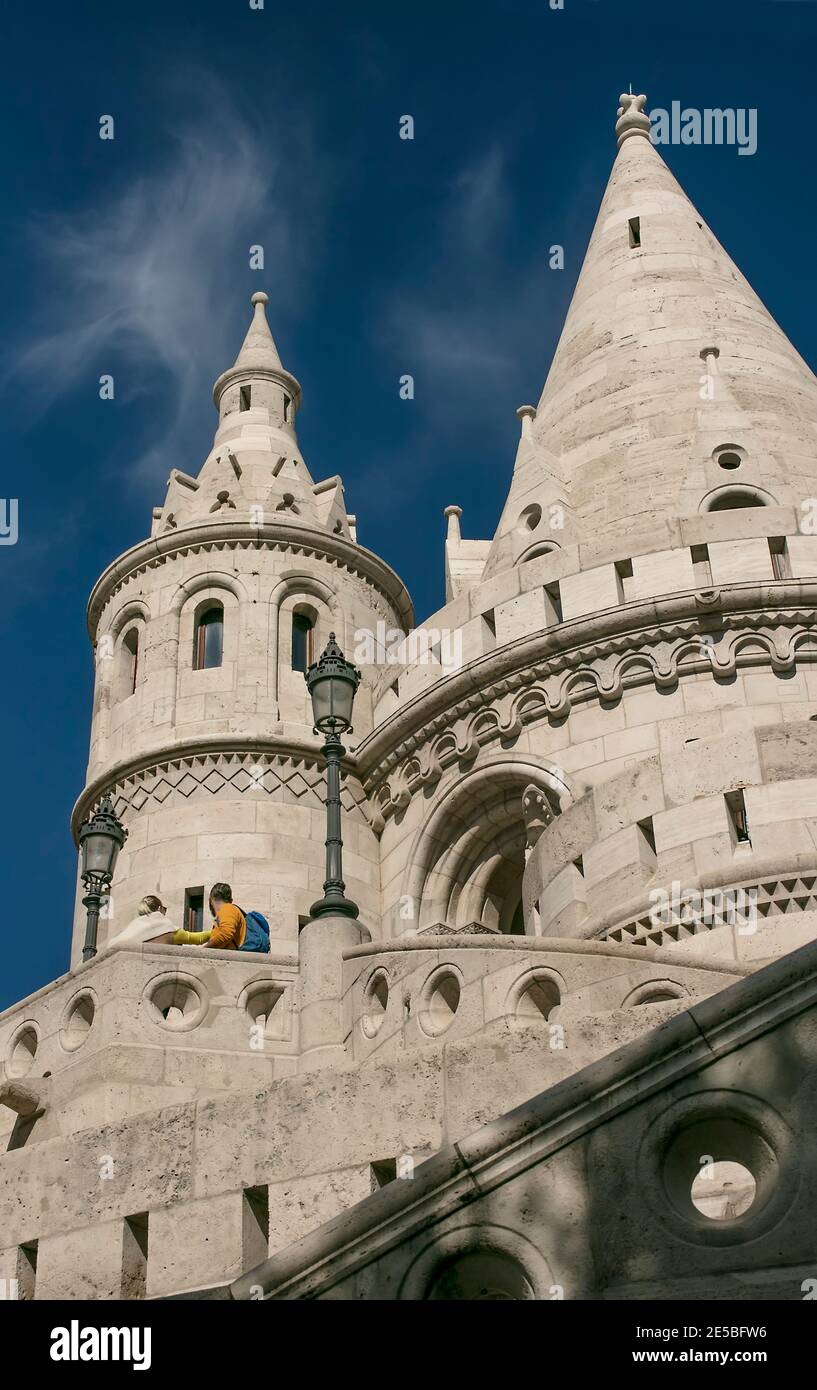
[188, 779]
[771, 898]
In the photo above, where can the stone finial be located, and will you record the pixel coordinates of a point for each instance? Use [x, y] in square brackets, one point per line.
[527, 414]
[537, 814]
[632, 118]
[258, 348]
[453, 514]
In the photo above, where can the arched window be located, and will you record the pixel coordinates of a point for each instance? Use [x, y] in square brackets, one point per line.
[130, 662]
[208, 639]
[303, 641]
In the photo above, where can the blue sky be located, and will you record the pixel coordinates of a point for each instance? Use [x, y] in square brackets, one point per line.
[279, 127]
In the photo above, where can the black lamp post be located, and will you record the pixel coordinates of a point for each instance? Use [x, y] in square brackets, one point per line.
[100, 839]
[332, 682]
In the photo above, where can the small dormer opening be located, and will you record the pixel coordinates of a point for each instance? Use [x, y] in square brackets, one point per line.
[634, 226]
[246, 398]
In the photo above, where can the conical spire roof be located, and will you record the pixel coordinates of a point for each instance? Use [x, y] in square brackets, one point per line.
[258, 348]
[628, 416]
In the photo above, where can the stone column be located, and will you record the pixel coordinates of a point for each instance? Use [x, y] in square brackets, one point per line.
[322, 1016]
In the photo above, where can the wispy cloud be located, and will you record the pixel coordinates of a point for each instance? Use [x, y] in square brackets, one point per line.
[142, 278]
[481, 310]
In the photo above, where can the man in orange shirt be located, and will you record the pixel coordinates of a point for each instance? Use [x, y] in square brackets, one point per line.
[230, 925]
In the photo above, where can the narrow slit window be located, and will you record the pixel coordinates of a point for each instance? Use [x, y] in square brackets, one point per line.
[303, 635]
[245, 395]
[701, 566]
[553, 604]
[208, 649]
[779, 550]
[287, 404]
[736, 806]
[255, 1225]
[130, 655]
[134, 1279]
[624, 580]
[646, 833]
[27, 1270]
[635, 231]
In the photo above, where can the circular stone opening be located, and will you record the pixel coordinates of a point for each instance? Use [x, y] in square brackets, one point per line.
[78, 1022]
[441, 1003]
[262, 1005]
[722, 1191]
[23, 1050]
[729, 459]
[375, 1003]
[530, 518]
[481, 1276]
[537, 1000]
[176, 1003]
[720, 1169]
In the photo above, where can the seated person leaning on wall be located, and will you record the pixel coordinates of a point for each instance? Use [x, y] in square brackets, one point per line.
[151, 925]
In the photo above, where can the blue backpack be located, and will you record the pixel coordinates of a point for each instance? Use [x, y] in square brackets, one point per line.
[257, 937]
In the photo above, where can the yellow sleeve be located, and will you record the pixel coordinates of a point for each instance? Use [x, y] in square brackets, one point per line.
[227, 928]
[190, 938]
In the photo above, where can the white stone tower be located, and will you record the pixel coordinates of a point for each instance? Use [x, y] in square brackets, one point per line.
[581, 803]
[209, 755]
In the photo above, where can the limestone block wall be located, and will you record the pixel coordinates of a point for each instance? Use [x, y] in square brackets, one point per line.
[190, 756]
[253, 819]
[602, 1186]
[699, 552]
[711, 835]
[253, 691]
[203, 1165]
[696, 730]
[399, 997]
[139, 1027]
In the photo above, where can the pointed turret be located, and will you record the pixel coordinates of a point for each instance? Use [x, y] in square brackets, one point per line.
[257, 377]
[255, 470]
[258, 348]
[668, 370]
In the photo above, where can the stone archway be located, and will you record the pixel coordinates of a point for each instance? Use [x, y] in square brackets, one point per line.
[469, 857]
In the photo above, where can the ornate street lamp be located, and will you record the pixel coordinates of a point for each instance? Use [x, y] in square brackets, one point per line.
[100, 839]
[332, 682]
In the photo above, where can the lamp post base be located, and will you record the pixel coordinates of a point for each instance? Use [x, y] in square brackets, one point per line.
[338, 906]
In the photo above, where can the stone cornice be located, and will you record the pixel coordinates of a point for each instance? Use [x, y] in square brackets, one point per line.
[596, 657]
[549, 945]
[280, 535]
